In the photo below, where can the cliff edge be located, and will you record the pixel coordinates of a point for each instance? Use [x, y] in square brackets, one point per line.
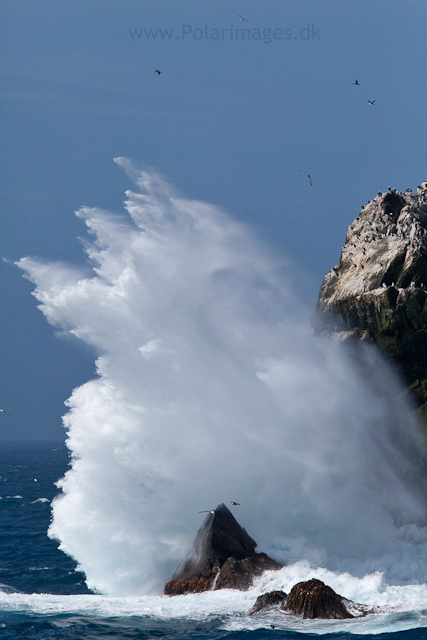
[378, 290]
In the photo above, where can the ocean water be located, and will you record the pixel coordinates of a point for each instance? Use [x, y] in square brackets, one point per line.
[209, 388]
[43, 595]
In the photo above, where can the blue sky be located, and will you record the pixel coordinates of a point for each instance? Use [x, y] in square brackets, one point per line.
[228, 121]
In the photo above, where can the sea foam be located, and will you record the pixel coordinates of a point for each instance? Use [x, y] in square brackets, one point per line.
[397, 609]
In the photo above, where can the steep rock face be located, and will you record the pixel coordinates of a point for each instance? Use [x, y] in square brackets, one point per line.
[223, 556]
[378, 289]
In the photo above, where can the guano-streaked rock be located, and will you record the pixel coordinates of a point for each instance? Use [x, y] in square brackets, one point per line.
[378, 290]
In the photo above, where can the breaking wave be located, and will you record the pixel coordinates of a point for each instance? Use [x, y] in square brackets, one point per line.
[210, 387]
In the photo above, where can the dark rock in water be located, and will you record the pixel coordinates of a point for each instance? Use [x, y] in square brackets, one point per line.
[378, 290]
[239, 574]
[314, 599]
[267, 601]
[311, 599]
[223, 556]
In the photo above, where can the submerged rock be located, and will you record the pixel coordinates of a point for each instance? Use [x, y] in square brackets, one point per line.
[223, 556]
[378, 290]
[311, 599]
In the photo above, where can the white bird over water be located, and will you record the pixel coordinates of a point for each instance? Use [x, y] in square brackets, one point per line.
[242, 18]
[371, 102]
[3, 411]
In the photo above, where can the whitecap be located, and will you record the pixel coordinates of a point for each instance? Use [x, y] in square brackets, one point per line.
[229, 608]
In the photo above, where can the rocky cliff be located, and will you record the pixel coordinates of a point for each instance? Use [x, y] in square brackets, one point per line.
[378, 290]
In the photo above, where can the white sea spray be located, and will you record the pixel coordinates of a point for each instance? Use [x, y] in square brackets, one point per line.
[211, 388]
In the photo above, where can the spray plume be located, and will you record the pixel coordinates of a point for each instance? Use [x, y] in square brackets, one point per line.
[211, 388]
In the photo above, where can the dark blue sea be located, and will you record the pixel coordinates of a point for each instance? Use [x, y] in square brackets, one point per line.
[43, 595]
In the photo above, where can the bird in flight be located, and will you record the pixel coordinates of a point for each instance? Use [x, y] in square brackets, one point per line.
[236, 504]
[157, 71]
[3, 411]
[242, 18]
[356, 83]
[307, 174]
[208, 511]
[371, 102]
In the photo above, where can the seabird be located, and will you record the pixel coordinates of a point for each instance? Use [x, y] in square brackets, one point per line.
[242, 18]
[307, 174]
[157, 71]
[236, 504]
[356, 83]
[371, 102]
[208, 511]
[3, 411]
